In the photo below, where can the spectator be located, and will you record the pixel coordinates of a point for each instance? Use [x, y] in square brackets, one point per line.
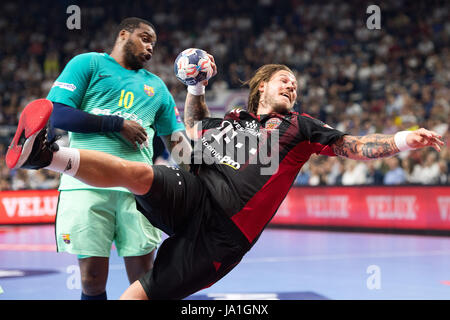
[317, 176]
[303, 177]
[429, 172]
[355, 173]
[20, 181]
[407, 164]
[395, 174]
[375, 175]
[336, 170]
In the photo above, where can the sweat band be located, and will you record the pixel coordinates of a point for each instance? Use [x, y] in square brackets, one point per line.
[400, 141]
[196, 90]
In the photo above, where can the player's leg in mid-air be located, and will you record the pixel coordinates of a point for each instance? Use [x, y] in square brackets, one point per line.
[102, 170]
[30, 149]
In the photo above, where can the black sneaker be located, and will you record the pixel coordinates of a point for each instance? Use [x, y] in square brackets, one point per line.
[30, 148]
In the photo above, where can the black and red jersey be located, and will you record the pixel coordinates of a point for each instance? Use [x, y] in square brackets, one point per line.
[248, 163]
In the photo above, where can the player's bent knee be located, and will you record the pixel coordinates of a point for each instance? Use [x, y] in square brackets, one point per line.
[134, 292]
[142, 178]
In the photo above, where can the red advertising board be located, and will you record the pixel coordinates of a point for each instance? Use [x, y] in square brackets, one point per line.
[28, 206]
[405, 207]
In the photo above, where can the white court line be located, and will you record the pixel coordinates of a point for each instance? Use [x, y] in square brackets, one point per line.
[348, 256]
[329, 257]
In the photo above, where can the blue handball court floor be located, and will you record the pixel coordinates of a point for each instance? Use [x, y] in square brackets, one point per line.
[285, 264]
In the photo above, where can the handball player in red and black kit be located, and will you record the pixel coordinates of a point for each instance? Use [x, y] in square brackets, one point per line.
[242, 167]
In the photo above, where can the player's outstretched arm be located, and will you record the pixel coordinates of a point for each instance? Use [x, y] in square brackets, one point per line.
[374, 146]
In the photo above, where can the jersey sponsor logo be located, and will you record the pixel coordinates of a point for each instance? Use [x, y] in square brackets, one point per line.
[150, 91]
[64, 85]
[103, 75]
[251, 125]
[250, 128]
[125, 115]
[230, 162]
[226, 160]
[235, 144]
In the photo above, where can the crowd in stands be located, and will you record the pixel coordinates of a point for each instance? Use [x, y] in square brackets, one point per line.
[355, 79]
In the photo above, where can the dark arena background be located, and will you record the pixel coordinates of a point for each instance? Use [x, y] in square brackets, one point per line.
[348, 230]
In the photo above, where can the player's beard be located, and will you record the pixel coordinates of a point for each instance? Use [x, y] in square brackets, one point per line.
[275, 105]
[130, 58]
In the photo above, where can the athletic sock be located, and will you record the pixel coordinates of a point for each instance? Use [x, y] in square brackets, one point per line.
[65, 160]
[101, 296]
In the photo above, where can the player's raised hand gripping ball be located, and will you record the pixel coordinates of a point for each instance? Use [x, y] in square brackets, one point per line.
[193, 66]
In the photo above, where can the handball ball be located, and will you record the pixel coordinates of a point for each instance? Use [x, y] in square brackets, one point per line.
[193, 66]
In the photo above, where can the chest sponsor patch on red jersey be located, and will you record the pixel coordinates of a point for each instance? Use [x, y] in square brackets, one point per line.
[273, 123]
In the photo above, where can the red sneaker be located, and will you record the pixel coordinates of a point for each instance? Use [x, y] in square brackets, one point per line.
[29, 148]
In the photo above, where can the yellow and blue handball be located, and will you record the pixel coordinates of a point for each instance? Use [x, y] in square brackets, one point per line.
[193, 66]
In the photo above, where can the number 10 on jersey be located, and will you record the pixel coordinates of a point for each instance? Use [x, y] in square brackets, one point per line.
[126, 99]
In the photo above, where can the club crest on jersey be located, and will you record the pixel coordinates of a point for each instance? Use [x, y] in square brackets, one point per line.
[66, 238]
[273, 123]
[150, 91]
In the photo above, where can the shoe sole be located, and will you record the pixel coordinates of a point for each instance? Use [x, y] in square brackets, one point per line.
[32, 120]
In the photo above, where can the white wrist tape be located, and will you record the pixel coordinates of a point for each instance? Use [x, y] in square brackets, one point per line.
[400, 140]
[196, 90]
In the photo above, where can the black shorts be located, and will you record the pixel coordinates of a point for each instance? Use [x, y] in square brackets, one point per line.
[203, 244]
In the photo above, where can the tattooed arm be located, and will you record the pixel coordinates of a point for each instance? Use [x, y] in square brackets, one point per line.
[195, 109]
[374, 146]
[368, 147]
